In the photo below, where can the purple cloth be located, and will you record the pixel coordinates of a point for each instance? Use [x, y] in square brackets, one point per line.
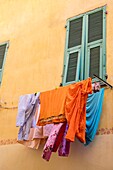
[47, 151]
[59, 137]
[64, 147]
[26, 111]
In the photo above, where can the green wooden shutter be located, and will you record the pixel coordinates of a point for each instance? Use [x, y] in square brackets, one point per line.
[72, 67]
[73, 50]
[75, 33]
[95, 43]
[95, 26]
[94, 61]
[2, 53]
[2, 56]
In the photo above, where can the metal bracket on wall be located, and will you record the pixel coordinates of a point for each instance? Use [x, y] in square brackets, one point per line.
[104, 82]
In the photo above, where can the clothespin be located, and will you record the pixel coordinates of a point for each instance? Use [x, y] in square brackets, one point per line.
[56, 87]
[35, 93]
[60, 84]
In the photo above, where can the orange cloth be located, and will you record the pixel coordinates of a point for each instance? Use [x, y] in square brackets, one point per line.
[75, 109]
[52, 106]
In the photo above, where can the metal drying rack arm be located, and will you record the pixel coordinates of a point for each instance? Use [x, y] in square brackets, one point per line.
[103, 81]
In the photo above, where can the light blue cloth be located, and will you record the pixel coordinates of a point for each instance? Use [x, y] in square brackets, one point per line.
[26, 111]
[93, 114]
[25, 102]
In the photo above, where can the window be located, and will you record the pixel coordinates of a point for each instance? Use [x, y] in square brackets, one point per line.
[3, 49]
[85, 50]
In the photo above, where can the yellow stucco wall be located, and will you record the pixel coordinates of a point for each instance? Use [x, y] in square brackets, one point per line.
[97, 156]
[34, 62]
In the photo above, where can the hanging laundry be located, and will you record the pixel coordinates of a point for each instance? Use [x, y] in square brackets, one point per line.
[75, 109]
[52, 106]
[39, 132]
[93, 114]
[96, 87]
[37, 135]
[33, 144]
[66, 108]
[51, 144]
[26, 111]
[27, 114]
[59, 137]
[64, 147]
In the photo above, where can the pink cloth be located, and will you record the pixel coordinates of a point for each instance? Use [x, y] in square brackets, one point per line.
[40, 132]
[48, 148]
[36, 135]
[34, 144]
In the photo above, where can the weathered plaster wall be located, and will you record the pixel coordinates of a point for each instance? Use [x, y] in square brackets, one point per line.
[36, 34]
[97, 156]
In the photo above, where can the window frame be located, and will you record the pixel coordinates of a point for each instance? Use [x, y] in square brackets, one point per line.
[4, 59]
[84, 47]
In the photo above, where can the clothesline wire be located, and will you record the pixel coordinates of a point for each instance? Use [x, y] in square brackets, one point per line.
[4, 107]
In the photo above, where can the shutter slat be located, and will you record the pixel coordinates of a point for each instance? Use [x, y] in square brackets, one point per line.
[95, 26]
[2, 52]
[75, 33]
[94, 61]
[72, 66]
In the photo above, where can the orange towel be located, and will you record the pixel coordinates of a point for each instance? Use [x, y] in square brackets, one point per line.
[75, 109]
[52, 106]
